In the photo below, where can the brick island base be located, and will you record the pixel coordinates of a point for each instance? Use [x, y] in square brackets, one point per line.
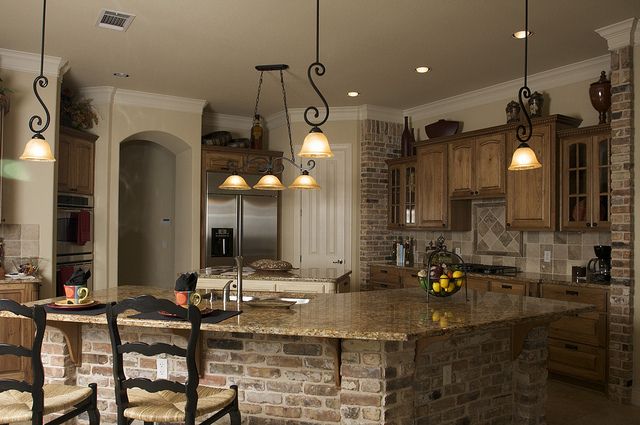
[293, 380]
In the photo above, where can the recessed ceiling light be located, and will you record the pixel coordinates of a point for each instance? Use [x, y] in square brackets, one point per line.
[521, 34]
[353, 94]
[121, 74]
[423, 69]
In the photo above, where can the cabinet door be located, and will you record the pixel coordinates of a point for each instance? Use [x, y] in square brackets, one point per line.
[490, 166]
[12, 331]
[409, 196]
[601, 186]
[82, 155]
[479, 284]
[530, 192]
[432, 186]
[513, 288]
[395, 195]
[461, 171]
[576, 184]
[64, 165]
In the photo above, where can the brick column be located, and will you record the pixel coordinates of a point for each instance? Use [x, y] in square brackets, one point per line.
[530, 379]
[622, 200]
[379, 141]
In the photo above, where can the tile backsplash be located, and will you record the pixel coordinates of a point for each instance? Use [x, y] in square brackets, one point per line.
[20, 240]
[486, 243]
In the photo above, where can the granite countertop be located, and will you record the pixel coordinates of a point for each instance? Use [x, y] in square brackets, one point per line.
[8, 281]
[328, 274]
[528, 277]
[374, 315]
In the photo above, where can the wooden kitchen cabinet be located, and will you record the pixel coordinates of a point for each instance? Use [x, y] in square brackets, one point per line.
[402, 193]
[477, 167]
[385, 277]
[76, 156]
[585, 178]
[17, 331]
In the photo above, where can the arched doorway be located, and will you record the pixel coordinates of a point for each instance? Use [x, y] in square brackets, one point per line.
[147, 210]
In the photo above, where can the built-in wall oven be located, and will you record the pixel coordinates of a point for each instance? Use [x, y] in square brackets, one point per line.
[74, 237]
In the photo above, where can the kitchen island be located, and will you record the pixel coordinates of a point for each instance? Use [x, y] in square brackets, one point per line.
[377, 357]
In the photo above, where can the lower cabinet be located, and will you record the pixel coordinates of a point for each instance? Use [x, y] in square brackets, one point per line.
[17, 331]
[578, 344]
[305, 287]
[385, 277]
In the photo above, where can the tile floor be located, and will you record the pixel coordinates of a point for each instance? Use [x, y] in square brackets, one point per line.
[571, 405]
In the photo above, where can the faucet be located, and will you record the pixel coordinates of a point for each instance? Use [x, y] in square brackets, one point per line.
[225, 294]
[239, 265]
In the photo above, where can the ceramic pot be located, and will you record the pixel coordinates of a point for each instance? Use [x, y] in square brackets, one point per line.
[600, 95]
[513, 112]
[536, 101]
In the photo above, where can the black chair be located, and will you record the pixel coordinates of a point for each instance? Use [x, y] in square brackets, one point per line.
[21, 401]
[162, 400]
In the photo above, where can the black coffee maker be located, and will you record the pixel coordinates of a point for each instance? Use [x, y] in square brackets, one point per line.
[599, 268]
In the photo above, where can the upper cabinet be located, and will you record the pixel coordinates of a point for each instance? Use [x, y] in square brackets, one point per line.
[432, 186]
[75, 161]
[402, 192]
[477, 167]
[586, 174]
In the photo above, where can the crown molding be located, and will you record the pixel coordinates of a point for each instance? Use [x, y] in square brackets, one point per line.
[636, 38]
[216, 120]
[100, 95]
[338, 113]
[564, 75]
[618, 35]
[380, 113]
[30, 62]
[159, 101]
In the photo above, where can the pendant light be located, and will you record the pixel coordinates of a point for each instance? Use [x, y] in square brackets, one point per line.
[524, 158]
[38, 149]
[316, 144]
[235, 182]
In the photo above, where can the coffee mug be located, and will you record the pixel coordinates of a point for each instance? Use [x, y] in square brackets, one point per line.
[76, 294]
[185, 298]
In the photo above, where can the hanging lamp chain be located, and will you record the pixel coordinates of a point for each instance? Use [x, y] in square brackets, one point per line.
[286, 114]
[523, 133]
[255, 110]
[43, 82]
[319, 69]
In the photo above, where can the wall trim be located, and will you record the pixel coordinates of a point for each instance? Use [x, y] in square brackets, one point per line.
[159, 101]
[568, 74]
[619, 34]
[236, 122]
[99, 95]
[30, 62]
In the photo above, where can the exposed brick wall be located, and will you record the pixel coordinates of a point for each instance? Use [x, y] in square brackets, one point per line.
[379, 141]
[622, 199]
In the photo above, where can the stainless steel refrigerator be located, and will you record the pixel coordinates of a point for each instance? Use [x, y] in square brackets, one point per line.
[239, 223]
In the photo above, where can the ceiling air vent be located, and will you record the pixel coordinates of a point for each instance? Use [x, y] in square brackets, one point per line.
[113, 20]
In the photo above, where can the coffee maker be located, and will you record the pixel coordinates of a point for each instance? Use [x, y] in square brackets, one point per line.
[599, 268]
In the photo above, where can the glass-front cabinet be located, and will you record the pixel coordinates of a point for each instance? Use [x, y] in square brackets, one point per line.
[402, 192]
[586, 178]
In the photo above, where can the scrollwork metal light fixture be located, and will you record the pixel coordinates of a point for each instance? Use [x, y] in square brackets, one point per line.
[38, 149]
[316, 144]
[524, 158]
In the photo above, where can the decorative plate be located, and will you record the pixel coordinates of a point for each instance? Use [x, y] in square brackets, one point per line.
[271, 265]
[65, 305]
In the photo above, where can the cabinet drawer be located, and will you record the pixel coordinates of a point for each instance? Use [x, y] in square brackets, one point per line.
[304, 287]
[386, 274]
[482, 285]
[594, 296]
[410, 278]
[577, 360]
[588, 328]
[377, 286]
[509, 288]
[220, 161]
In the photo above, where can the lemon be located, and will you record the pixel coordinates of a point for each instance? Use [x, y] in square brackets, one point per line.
[435, 287]
[459, 282]
[457, 274]
[436, 316]
[450, 288]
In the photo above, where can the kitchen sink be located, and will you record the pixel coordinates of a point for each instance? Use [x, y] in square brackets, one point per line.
[250, 298]
[295, 300]
[244, 298]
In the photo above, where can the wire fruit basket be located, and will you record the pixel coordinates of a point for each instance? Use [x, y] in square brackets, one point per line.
[445, 274]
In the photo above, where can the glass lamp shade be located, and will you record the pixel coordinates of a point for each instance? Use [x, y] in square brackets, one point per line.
[235, 182]
[524, 158]
[315, 145]
[269, 182]
[304, 181]
[37, 149]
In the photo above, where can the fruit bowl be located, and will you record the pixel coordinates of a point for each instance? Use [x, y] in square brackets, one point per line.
[442, 280]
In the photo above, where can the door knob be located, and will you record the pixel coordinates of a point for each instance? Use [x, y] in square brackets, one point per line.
[338, 261]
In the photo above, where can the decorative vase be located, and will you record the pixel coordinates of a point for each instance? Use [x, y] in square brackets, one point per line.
[407, 140]
[600, 95]
[513, 112]
[536, 101]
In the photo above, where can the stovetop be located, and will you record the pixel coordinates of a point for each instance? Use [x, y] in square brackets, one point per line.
[490, 269]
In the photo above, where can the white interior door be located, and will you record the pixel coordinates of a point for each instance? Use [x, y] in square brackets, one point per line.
[325, 216]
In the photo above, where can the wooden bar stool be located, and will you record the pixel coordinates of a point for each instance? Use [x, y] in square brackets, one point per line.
[162, 400]
[21, 401]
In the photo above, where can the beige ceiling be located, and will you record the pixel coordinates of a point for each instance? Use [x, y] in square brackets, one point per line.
[207, 49]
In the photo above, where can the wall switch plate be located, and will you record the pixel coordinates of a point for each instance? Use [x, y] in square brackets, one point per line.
[162, 368]
[446, 375]
[547, 256]
[457, 250]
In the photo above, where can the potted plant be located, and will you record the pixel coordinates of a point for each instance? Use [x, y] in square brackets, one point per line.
[4, 97]
[77, 112]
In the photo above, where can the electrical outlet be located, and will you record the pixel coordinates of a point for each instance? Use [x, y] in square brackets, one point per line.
[446, 375]
[547, 256]
[162, 368]
[457, 250]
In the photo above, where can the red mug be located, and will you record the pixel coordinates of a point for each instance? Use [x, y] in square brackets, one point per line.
[186, 298]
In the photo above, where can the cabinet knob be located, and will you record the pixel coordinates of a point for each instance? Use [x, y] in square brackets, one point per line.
[594, 224]
[477, 192]
[444, 224]
[471, 192]
[588, 224]
[508, 224]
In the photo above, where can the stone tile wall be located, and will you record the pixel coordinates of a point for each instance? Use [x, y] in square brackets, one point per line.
[622, 201]
[379, 141]
[20, 240]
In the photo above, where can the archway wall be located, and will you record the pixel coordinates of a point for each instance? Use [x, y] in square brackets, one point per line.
[174, 123]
